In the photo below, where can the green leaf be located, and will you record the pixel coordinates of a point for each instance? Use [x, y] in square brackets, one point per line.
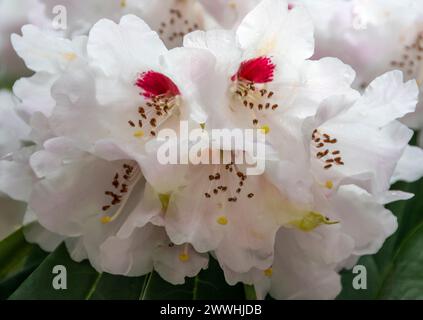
[209, 284]
[155, 288]
[111, 287]
[83, 282]
[373, 281]
[18, 259]
[396, 271]
[81, 279]
[6, 83]
[250, 292]
[404, 279]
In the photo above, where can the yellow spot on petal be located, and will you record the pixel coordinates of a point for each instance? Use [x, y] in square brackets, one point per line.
[232, 5]
[268, 46]
[222, 220]
[265, 129]
[184, 257]
[69, 56]
[329, 184]
[203, 125]
[268, 272]
[139, 134]
[164, 199]
[123, 3]
[311, 221]
[106, 220]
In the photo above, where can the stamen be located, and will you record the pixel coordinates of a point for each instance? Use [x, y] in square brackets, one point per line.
[69, 56]
[265, 129]
[131, 175]
[105, 219]
[161, 95]
[410, 59]
[164, 200]
[328, 156]
[250, 86]
[329, 184]
[184, 256]
[177, 25]
[222, 220]
[311, 221]
[139, 134]
[268, 272]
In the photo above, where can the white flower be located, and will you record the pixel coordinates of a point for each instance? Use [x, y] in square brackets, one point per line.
[229, 13]
[307, 259]
[80, 16]
[48, 55]
[93, 111]
[136, 88]
[260, 77]
[14, 14]
[13, 130]
[110, 222]
[373, 37]
[350, 195]
[17, 178]
[217, 207]
[361, 142]
[171, 19]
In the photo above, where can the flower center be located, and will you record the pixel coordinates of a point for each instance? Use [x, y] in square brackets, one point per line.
[228, 181]
[250, 87]
[324, 145]
[226, 186]
[410, 61]
[161, 95]
[122, 185]
[177, 24]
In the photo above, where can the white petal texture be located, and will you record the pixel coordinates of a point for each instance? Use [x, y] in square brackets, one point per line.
[136, 88]
[375, 142]
[13, 130]
[373, 37]
[229, 13]
[306, 263]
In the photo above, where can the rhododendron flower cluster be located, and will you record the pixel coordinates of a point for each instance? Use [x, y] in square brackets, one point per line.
[79, 141]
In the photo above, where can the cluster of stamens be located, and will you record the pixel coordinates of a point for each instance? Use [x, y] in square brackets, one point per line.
[254, 98]
[250, 86]
[411, 59]
[217, 188]
[325, 143]
[153, 114]
[122, 184]
[161, 95]
[174, 29]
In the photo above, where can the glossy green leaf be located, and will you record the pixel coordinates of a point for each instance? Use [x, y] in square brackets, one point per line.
[373, 281]
[404, 279]
[209, 284]
[81, 279]
[111, 287]
[18, 259]
[83, 282]
[396, 271]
